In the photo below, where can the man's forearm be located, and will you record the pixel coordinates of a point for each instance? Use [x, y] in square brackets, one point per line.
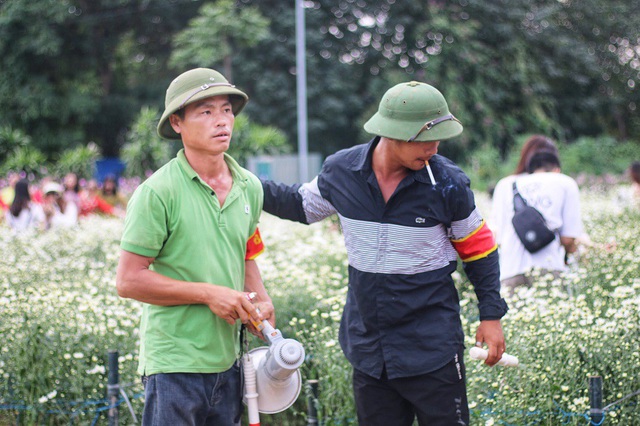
[484, 274]
[253, 281]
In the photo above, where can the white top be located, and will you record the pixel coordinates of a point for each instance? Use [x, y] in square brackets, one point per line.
[31, 217]
[66, 219]
[557, 197]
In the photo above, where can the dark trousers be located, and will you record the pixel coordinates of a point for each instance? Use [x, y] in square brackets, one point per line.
[436, 398]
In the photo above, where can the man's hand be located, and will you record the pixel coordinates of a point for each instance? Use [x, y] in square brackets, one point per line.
[268, 313]
[570, 244]
[232, 305]
[490, 332]
[253, 285]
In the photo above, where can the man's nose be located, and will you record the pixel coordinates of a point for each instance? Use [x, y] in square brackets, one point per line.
[431, 148]
[222, 120]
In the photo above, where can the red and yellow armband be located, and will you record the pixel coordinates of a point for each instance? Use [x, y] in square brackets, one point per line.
[478, 244]
[255, 246]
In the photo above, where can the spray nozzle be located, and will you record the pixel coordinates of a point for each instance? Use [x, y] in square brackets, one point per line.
[272, 335]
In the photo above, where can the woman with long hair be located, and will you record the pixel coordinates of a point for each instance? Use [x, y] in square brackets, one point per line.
[23, 212]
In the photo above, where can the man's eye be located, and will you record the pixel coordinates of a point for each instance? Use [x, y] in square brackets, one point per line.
[206, 112]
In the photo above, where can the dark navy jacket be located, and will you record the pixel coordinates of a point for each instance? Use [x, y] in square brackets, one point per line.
[402, 309]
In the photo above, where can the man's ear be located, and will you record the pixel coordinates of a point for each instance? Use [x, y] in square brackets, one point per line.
[175, 121]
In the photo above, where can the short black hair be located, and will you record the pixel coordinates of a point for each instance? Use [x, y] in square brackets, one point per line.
[545, 160]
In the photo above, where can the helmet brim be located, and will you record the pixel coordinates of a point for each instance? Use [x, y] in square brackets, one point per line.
[403, 130]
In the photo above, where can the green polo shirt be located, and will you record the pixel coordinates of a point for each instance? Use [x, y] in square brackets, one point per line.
[176, 218]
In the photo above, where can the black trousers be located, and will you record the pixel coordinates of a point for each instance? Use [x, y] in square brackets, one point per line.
[438, 398]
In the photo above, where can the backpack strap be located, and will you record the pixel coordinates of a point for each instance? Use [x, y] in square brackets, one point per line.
[519, 203]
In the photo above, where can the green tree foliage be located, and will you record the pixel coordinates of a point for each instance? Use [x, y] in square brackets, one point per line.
[10, 140]
[28, 159]
[336, 91]
[77, 70]
[219, 31]
[30, 44]
[144, 151]
[598, 156]
[250, 139]
[506, 68]
[80, 160]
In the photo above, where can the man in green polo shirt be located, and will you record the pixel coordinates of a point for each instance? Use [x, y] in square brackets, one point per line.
[188, 249]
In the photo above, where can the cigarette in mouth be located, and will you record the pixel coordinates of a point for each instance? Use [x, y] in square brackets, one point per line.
[433, 181]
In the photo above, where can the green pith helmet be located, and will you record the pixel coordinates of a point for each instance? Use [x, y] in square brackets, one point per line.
[193, 85]
[414, 111]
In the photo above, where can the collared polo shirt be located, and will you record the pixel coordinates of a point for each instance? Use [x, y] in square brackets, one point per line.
[175, 217]
[402, 309]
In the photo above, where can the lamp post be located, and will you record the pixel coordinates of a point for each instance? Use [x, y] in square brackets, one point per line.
[301, 86]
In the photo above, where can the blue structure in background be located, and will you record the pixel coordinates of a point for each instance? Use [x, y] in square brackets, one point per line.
[111, 166]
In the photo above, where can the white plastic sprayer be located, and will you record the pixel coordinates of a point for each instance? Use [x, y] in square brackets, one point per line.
[272, 378]
[481, 354]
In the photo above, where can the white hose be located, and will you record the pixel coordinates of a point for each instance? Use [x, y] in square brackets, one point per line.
[251, 390]
[482, 354]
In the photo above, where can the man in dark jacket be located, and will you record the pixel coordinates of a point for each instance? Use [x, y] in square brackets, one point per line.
[406, 214]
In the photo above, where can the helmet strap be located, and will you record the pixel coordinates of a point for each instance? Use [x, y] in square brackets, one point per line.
[202, 89]
[429, 125]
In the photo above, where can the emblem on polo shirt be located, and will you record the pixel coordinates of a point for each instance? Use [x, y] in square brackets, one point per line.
[420, 220]
[246, 209]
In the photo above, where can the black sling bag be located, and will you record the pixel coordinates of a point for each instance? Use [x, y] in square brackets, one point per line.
[529, 224]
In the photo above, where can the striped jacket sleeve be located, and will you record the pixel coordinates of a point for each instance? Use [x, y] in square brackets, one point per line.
[476, 246]
[299, 203]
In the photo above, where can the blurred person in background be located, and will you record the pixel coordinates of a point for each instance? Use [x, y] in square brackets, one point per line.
[112, 195]
[90, 201]
[36, 189]
[634, 174]
[24, 213]
[59, 213]
[502, 195]
[3, 208]
[188, 253]
[7, 193]
[72, 188]
[556, 196]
